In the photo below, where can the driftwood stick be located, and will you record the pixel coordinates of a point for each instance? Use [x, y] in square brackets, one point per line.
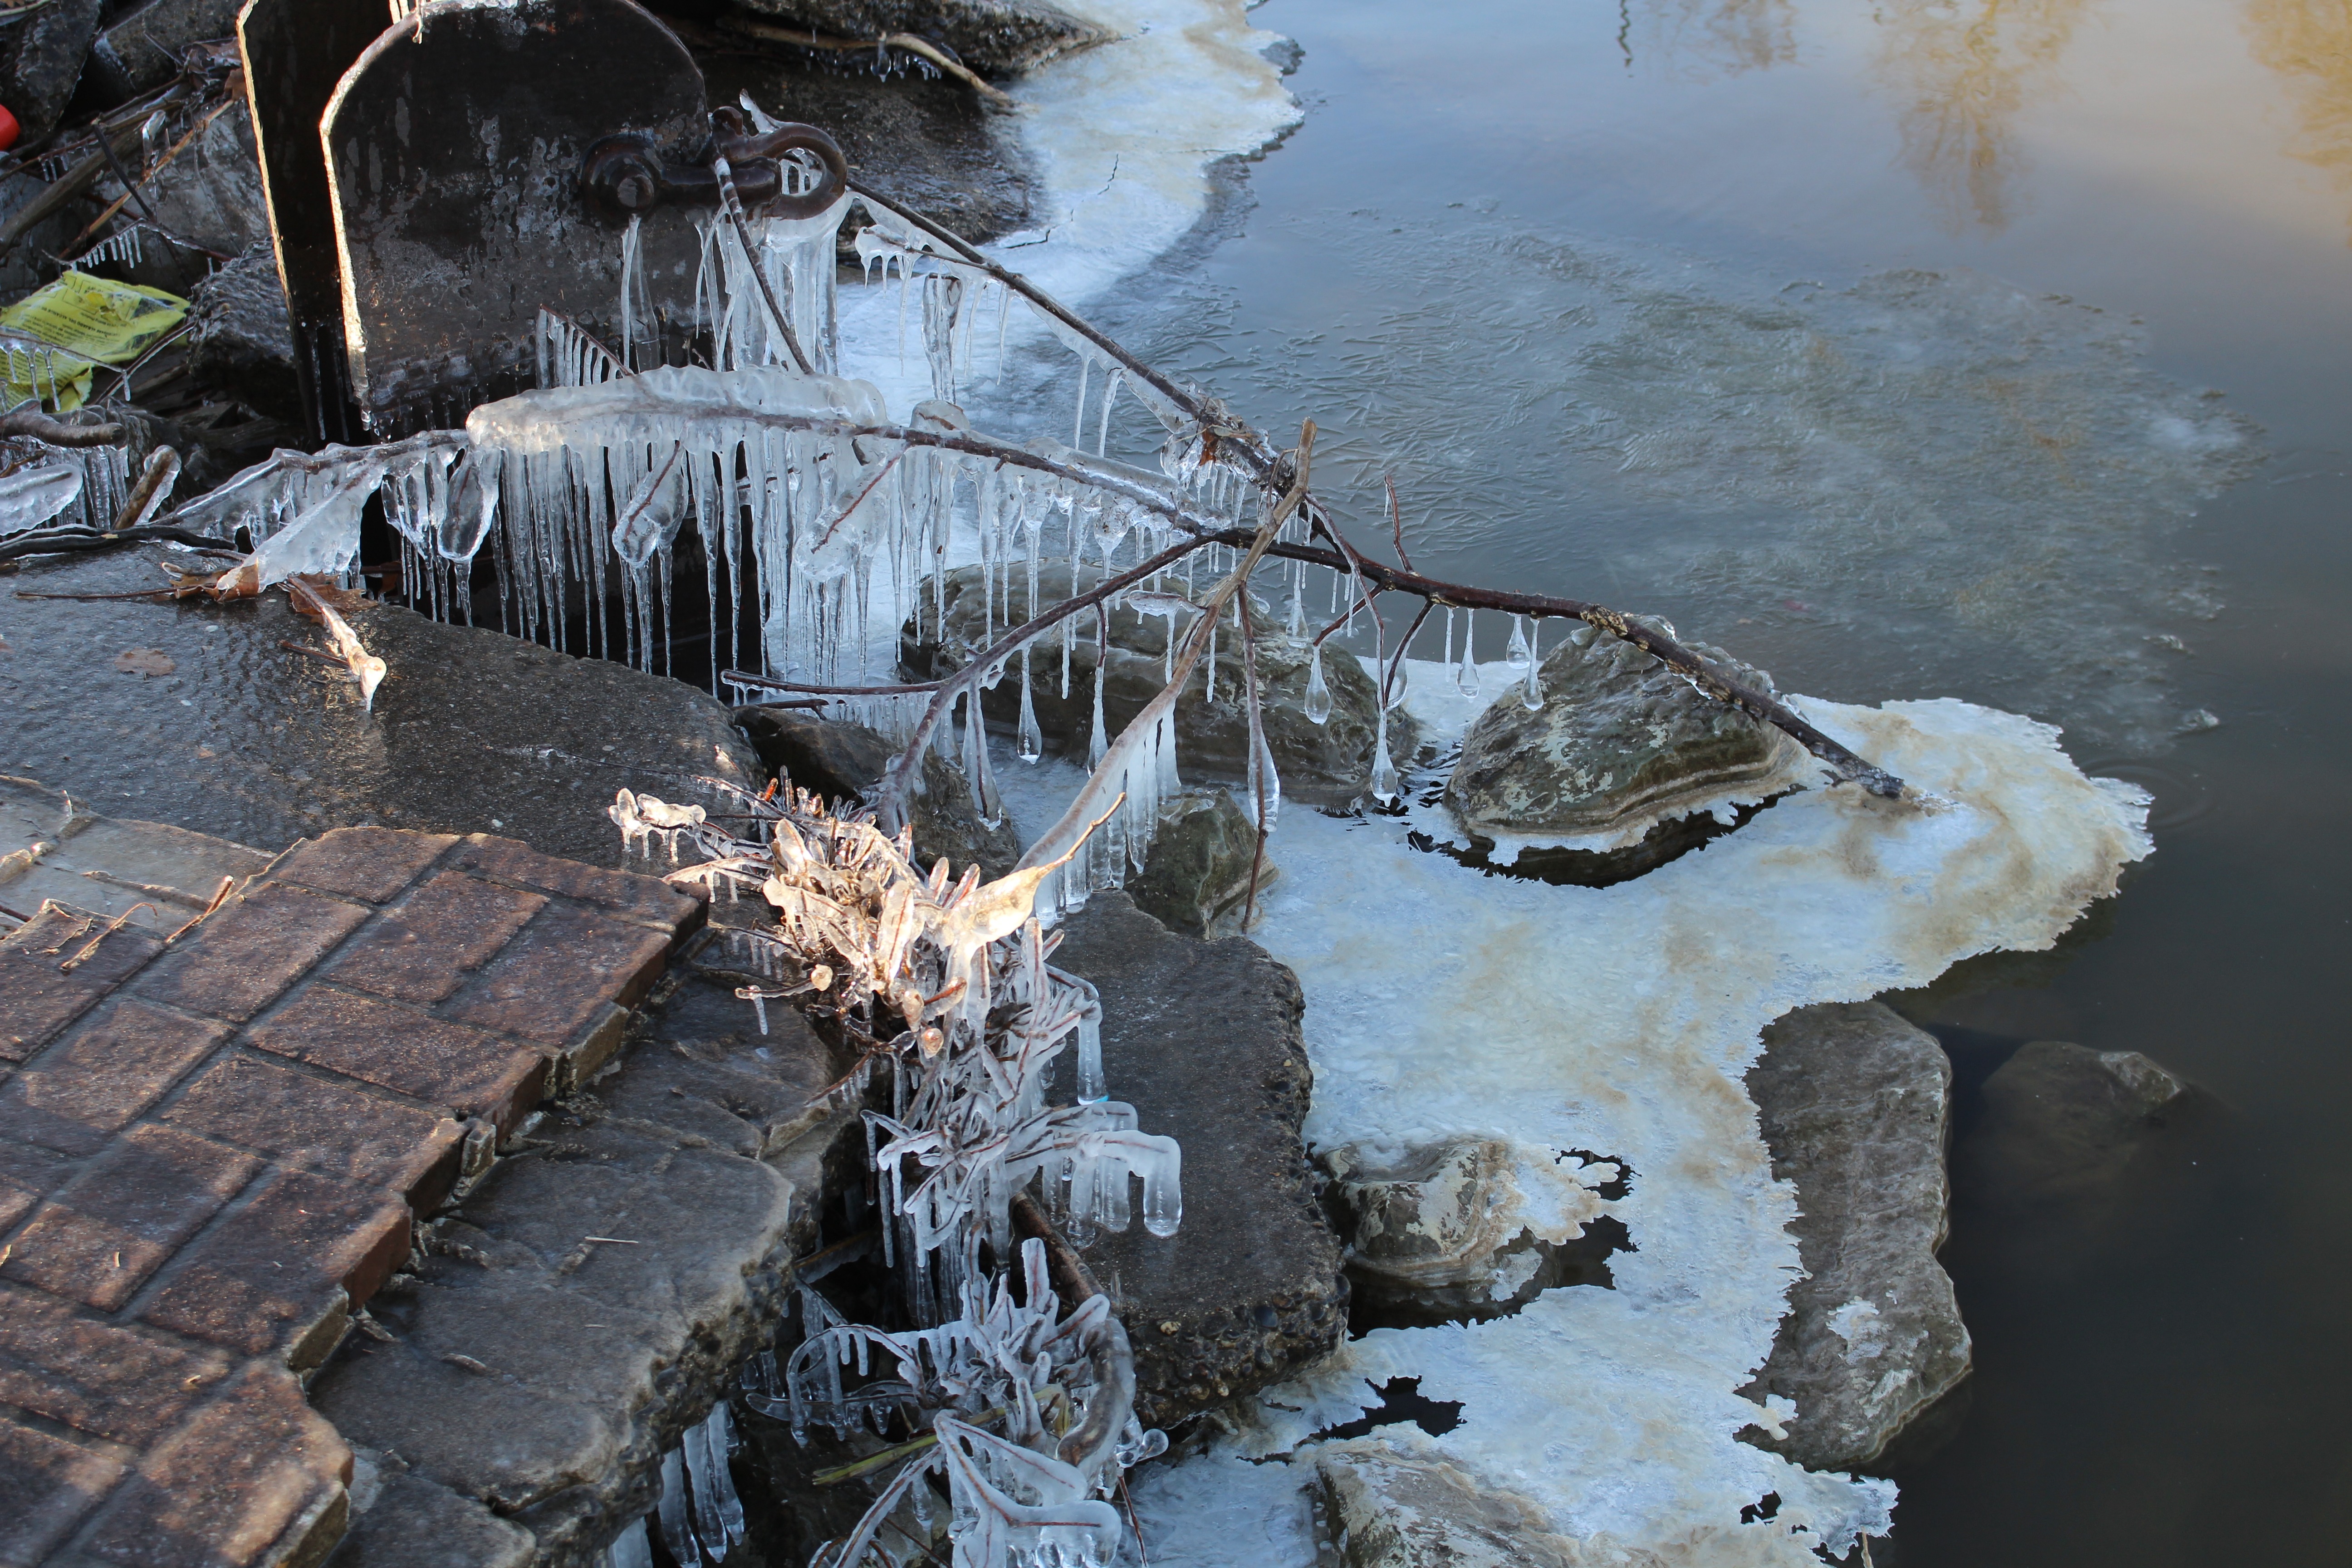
[1073, 1283]
[30, 421]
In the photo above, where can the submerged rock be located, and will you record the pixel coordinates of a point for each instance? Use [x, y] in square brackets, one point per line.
[1445, 1234]
[842, 760]
[994, 37]
[1323, 764]
[1620, 741]
[1197, 877]
[2062, 1123]
[1378, 1508]
[1202, 1038]
[1856, 1106]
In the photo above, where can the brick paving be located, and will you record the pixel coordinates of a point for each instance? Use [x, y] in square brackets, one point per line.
[214, 1150]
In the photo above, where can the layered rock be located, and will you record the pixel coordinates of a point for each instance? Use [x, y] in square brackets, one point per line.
[1620, 744]
[1379, 1508]
[1203, 1040]
[1856, 1106]
[995, 38]
[2063, 1123]
[1327, 763]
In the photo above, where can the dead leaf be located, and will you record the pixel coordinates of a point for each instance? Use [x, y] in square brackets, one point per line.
[144, 661]
[5, 647]
[308, 594]
[206, 754]
[323, 591]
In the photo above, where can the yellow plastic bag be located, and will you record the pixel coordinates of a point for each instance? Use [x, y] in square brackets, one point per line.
[50, 339]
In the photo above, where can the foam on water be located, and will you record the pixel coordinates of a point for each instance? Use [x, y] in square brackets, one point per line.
[1621, 1021]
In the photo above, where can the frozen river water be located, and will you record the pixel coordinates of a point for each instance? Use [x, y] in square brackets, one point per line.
[1979, 350]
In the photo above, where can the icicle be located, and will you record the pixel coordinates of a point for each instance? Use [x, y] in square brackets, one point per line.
[1097, 744]
[1384, 773]
[677, 1526]
[1079, 420]
[1520, 656]
[1318, 691]
[1466, 677]
[1110, 395]
[630, 1549]
[1531, 693]
[1031, 745]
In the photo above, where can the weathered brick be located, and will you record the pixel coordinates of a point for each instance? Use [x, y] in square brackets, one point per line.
[558, 974]
[104, 1071]
[113, 1383]
[423, 949]
[370, 863]
[443, 1064]
[37, 997]
[28, 1174]
[47, 1485]
[335, 1128]
[113, 1224]
[256, 1476]
[622, 892]
[265, 1276]
[236, 962]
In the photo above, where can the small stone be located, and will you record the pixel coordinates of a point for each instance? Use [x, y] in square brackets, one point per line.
[1385, 1510]
[238, 340]
[2063, 1123]
[1621, 741]
[1196, 879]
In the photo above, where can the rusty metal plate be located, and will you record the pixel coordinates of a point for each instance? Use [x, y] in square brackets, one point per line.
[452, 153]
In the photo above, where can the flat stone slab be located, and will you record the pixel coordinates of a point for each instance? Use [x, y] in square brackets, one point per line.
[472, 731]
[596, 1292]
[215, 1146]
[1202, 1038]
[1856, 1106]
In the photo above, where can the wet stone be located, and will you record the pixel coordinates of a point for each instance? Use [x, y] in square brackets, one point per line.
[119, 1383]
[1620, 740]
[472, 730]
[143, 50]
[445, 1065]
[44, 51]
[1855, 1105]
[1202, 1038]
[599, 1350]
[246, 954]
[1327, 763]
[400, 1520]
[47, 1485]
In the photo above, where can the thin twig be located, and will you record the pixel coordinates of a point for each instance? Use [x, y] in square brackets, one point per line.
[160, 164]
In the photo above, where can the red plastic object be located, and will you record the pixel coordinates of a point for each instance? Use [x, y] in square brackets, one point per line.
[9, 129]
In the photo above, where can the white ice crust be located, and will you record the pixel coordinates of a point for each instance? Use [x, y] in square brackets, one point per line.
[1621, 1021]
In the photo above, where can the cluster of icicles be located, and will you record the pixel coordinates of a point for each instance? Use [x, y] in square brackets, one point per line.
[818, 518]
[1029, 1411]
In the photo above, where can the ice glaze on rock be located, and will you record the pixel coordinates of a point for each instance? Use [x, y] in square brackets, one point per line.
[1327, 763]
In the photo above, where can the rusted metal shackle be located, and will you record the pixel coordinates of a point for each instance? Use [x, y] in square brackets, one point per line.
[627, 172]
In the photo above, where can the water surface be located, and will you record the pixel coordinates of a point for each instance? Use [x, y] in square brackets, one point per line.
[1990, 350]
